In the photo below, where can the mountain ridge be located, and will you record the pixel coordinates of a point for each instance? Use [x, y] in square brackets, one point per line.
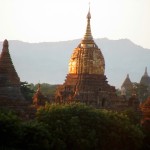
[48, 61]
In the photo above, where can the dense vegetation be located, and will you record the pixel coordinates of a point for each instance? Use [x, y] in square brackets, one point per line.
[70, 127]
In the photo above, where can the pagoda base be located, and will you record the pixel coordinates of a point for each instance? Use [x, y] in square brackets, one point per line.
[91, 89]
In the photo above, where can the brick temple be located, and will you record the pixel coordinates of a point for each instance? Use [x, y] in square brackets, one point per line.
[86, 81]
[9, 80]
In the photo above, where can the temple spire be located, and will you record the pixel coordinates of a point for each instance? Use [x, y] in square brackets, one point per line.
[5, 46]
[5, 43]
[128, 76]
[88, 35]
[146, 74]
[9, 79]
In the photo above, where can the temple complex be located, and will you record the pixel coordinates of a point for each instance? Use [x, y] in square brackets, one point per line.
[85, 81]
[9, 80]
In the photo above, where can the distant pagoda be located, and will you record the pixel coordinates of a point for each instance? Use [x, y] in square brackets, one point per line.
[145, 79]
[86, 81]
[127, 84]
[38, 98]
[9, 80]
[127, 87]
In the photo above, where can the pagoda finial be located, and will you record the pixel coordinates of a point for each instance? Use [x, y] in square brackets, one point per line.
[5, 43]
[89, 14]
[146, 74]
[88, 35]
[127, 75]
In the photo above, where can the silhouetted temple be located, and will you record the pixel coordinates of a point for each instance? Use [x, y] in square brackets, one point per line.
[127, 84]
[145, 79]
[86, 81]
[127, 87]
[9, 80]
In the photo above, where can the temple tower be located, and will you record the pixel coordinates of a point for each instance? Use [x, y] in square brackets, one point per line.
[127, 87]
[9, 80]
[38, 98]
[85, 81]
[145, 79]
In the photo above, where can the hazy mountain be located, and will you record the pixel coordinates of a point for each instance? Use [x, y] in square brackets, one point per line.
[48, 61]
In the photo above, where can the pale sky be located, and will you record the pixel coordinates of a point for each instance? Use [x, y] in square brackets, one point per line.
[61, 20]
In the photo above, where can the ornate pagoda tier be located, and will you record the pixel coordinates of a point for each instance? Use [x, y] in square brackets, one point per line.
[9, 80]
[86, 81]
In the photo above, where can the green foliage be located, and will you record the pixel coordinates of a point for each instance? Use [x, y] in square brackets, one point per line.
[9, 129]
[77, 126]
[70, 126]
[132, 115]
[27, 90]
[15, 134]
[34, 136]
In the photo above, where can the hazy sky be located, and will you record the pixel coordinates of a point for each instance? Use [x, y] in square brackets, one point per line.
[60, 20]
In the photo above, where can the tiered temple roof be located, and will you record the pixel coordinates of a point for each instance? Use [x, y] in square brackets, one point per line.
[86, 81]
[9, 80]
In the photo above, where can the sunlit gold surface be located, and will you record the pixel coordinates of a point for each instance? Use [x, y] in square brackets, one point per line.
[87, 59]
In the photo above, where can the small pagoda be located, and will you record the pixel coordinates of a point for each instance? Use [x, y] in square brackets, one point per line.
[86, 81]
[145, 79]
[9, 80]
[127, 88]
[38, 98]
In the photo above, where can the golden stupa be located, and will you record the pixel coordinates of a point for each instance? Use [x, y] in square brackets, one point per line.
[85, 81]
[87, 57]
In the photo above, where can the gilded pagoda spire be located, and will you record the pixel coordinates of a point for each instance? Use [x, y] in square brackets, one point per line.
[87, 58]
[85, 81]
[88, 34]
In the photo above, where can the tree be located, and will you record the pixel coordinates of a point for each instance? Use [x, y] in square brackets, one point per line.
[133, 115]
[77, 126]
[27, 91]
[9, 130]
[34, 136]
